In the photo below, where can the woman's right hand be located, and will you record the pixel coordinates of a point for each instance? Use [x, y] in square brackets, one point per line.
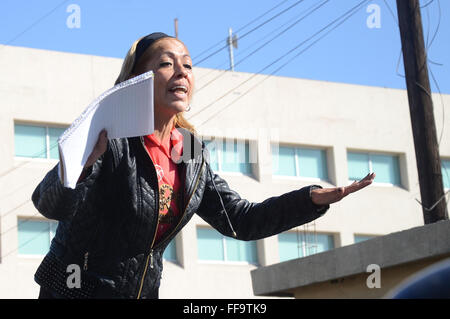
[99, 149]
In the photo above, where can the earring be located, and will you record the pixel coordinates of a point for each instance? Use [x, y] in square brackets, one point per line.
[188, 108]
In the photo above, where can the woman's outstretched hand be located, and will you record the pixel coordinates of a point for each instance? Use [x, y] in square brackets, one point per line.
[99, 149]
[325, 196]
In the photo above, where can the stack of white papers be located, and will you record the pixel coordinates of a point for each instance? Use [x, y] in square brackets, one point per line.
[125, 110]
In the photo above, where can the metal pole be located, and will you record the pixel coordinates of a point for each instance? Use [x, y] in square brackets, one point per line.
[176, 28]
[230, 48]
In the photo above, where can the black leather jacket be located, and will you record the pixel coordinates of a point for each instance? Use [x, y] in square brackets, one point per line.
[107, 224]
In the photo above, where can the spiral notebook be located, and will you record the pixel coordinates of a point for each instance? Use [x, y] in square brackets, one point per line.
[125, 110]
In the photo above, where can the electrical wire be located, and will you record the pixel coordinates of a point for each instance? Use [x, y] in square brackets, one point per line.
[283, 65]
[22, 221]
[426, 5]
[438, 25]
[223, 72]
[249, 32]
[355, 8]
[428, 46]
[279, 68]
[242, 51]
[284, 30]
[240, 29]
[37, 155]
[430, 70]
[224, 108]
[24, 203]
[40, 153]
[35, 23]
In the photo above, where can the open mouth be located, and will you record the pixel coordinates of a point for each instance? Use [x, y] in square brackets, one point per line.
[179, 89]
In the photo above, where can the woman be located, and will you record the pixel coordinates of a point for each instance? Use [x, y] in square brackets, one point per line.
[133, 197]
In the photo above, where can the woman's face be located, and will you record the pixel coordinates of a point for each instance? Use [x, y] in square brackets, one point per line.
[174, 80]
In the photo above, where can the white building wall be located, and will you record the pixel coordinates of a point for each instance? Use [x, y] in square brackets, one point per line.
[48, 87]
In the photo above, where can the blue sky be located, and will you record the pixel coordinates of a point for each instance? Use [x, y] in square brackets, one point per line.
[352, 53]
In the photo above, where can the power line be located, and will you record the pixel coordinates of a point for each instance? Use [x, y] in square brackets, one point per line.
[24, 220]
[242, 51]
[279, 58]
[433, 38]
[421, 109]
[252, 30]
[284, 64]
[438, 25]
[27, 183]
[38, 155]
[21, 222]
[220, 111]
[35, 23]
[291, 59]
[34, 156]
[269, 41]
[240, 29]
[430, 70]
[426, 5]
[285, 30]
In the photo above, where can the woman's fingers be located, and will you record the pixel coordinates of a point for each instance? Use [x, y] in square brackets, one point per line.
[357, 185]
[99, 148]
[324, 196]
[102, 142]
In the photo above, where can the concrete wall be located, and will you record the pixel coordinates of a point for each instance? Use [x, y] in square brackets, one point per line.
[384, 262]
[355, 287]
[49, 87]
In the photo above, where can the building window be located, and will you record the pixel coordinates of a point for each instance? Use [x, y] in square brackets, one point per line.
[213, 246]
[229, 155]
[360, 238]
[445, 165]
[386, 167]
[170, 253]
[35, 236]
[299, 162]
[36, 141]
[292, 245]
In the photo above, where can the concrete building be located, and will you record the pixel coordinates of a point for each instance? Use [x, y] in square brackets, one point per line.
[297, 132]
[375, 268]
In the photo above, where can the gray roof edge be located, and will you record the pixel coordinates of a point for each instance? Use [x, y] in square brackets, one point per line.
[394, 249]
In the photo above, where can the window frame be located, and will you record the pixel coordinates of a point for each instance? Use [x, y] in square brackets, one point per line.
[444, 176]
[380, 184]
[219, 152]
[304, 249]
[173, 261]
[51, 232]
[47, 158]
[298, 177]
[225, 254]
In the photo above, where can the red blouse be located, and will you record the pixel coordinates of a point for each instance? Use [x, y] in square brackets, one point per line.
[168, 179]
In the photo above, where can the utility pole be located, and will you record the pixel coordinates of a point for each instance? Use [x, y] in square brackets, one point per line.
[176, 28]
[231, 42]
[421, 111]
